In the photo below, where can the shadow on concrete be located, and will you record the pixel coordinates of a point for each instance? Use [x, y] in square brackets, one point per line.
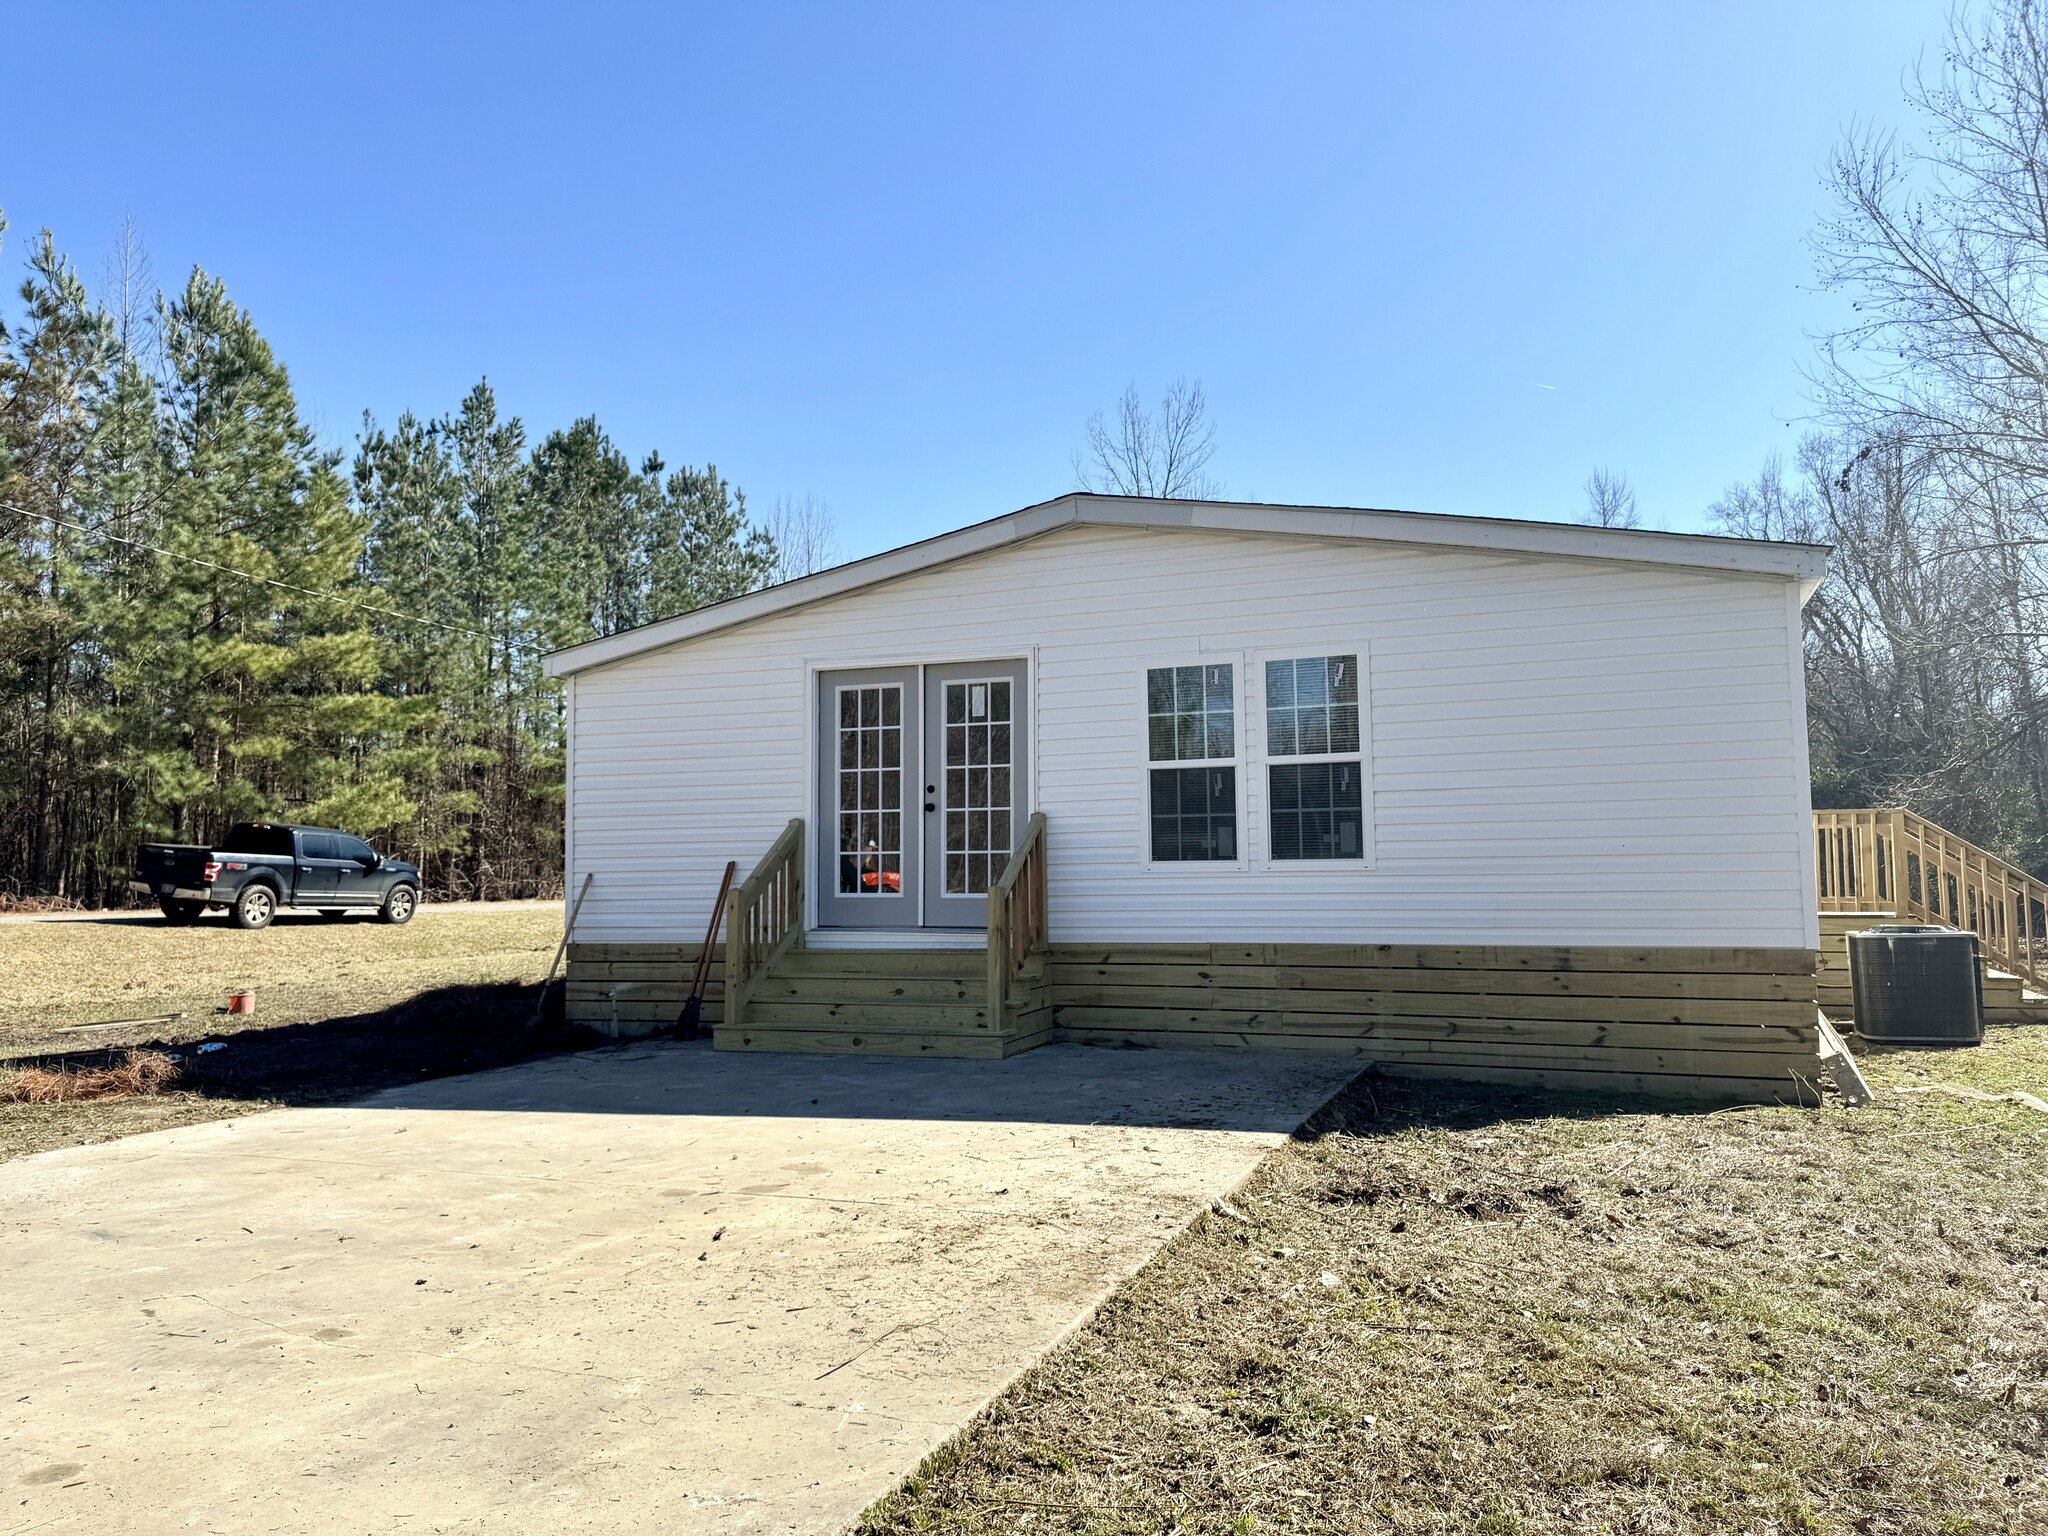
[470, 1049]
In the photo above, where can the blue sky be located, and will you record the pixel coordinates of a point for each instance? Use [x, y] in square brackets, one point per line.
[1439, 257]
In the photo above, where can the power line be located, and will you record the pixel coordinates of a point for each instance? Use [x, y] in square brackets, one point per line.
[271, 581]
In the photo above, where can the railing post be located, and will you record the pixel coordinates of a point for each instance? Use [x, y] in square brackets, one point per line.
[998, 956]
[1040, 870]
[735, 958]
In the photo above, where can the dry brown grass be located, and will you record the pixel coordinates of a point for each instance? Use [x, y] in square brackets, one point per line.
[342, 1009]
[77, 971]
[137, 1075]
[1461, 1310]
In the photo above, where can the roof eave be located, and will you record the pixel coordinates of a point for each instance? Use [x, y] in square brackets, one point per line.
[1803, 563]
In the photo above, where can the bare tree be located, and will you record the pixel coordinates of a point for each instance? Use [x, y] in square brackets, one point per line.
[1937, 388]
[1143, 454]
[1944, 246]
[128, 283]
[806, 538]
[1610, 501]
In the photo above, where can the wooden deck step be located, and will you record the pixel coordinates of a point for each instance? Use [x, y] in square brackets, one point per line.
[827, 1013]
[882, 962]
[842, 1042]
[893, 1002]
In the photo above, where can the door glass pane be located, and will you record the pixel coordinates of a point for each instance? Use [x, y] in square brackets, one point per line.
[978, 777]
[871, 790]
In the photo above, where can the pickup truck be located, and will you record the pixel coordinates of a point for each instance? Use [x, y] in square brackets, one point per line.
[267, 865]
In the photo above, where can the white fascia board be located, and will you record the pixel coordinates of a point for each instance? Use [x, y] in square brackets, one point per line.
[1804, 563]
[1642, 546]
[976, 539]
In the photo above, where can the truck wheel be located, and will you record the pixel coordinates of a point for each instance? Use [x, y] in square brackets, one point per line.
[255, 907]
[400, 905]
[180, 914]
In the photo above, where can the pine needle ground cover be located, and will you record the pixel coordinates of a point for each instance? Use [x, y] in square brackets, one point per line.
[342, 1009]
[1449, 1309]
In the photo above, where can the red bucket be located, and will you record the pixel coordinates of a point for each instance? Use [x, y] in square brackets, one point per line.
[241, 1002]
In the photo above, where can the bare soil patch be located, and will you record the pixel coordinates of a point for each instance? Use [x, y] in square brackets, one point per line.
[343, 1009]
[1450, 1309]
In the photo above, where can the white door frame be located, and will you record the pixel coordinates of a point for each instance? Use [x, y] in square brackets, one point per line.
[921, 660]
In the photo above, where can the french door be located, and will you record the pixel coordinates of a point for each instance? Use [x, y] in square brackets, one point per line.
[921, 788]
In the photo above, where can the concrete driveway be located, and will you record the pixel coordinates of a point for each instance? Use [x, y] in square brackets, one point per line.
[651, 1288]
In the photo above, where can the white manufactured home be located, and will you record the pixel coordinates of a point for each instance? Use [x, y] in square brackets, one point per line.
[1472, 797]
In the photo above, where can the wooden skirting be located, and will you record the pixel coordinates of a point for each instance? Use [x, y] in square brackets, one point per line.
[1718, 1023]
[1694, 1022]
[636, 989]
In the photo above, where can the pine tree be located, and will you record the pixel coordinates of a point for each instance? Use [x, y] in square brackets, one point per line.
[701, 548]
[203, 620]
[50, 368]
[592, 535]
[515, 840]
[268, 691]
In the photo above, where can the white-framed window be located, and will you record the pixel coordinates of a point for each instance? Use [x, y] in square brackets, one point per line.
[1313, 723]
[1194, 795]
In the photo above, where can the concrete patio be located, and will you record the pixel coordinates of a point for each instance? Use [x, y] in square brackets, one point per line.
[650, 1288]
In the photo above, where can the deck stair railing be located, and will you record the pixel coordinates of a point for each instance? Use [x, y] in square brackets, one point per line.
[1894, 861]
[763, 917]
[1016, 916]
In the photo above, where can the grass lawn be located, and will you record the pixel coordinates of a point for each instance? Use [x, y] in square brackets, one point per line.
[1449, 1309]
[342, 1008]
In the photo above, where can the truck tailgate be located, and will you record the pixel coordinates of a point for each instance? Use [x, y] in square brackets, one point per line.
[172, 864]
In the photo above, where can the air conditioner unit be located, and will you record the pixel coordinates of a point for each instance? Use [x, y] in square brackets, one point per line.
[1917, 985]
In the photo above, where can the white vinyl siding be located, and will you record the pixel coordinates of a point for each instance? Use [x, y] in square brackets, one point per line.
[1557, 751]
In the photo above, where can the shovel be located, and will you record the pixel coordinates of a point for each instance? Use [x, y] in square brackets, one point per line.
[691, 1024]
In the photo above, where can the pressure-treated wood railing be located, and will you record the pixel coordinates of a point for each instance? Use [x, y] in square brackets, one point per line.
[1016, 916]
[763, 918]
[1894, 861]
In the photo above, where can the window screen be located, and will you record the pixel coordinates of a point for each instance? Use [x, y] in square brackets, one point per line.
[1191, 718]
[1315, 795]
